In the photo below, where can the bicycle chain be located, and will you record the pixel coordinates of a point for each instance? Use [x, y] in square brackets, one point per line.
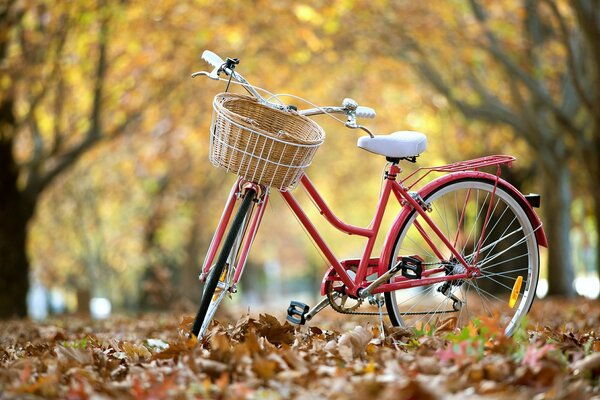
[406, 313]
[350, 312]
[346, 311]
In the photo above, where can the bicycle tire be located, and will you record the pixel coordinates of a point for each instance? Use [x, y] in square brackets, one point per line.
[509, 249]
[229, 248]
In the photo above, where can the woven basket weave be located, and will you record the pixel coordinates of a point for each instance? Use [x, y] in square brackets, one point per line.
[263, 145]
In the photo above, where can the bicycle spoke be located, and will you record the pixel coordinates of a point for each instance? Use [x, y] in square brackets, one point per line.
[497, 222]
[457, 219]
[444, 218]
[486, 292]
[473, 229]
[493, 244]
[482, 299]
[212, 310]
[434, 313]
[414, 304]
[466, 299]
[502, 274]
[521, 241]
[421, 247]
[498, 282]
[504, 262]
[503, 235]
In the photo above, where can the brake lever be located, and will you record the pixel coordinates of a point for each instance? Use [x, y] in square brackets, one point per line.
[356, 126]
[366, 130]
[214, 74]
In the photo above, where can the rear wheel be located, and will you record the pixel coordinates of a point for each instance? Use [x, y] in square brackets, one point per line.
[505, 251]
[220, 276]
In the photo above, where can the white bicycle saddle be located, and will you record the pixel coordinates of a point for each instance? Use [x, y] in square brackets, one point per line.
[395, 145]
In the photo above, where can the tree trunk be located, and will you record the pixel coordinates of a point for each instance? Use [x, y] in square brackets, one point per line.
[14, 264]
[15, 212]
[597, 224]
[557, 224]
[595, 184]
[595, 188]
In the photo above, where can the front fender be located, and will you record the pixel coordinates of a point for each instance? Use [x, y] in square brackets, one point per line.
[389, 243]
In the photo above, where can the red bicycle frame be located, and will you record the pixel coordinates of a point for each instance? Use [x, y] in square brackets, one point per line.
[366, 265]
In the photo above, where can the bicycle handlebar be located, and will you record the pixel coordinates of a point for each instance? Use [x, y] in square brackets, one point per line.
[349, 106]
[361, 111]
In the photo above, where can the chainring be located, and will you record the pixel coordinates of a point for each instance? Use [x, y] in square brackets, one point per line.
[338, 299]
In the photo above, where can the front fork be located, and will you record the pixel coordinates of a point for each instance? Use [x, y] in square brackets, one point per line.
[238, 190]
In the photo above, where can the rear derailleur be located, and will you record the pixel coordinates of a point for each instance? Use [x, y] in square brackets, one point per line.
[446, 290]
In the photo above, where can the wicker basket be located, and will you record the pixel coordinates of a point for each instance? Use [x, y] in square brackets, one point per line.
[262, 144]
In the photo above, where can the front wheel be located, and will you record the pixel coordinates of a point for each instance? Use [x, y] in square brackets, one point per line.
[504, 249]
[221, 274]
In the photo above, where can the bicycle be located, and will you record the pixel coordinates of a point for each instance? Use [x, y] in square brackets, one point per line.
[464, 245]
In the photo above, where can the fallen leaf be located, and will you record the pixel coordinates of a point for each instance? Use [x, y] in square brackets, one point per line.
[534, 354]
[157, 344]
[428, 365]
[264, 368]
[355, 341]
[274, 331]
[136, 352]
[589, 363]
[81, 356]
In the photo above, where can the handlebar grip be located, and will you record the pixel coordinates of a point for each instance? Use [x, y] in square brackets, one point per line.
[365, 112]
[212, 58]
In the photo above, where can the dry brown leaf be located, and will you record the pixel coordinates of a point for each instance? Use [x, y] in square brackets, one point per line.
[497, 369]
[136, 352]
[212, 367]
[264, 368]
[274, 331]
[354, 343]
[428, 365]
[81, 356]
[475, 373]
[589, 363]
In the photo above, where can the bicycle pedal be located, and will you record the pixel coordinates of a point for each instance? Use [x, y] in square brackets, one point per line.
[296, 312]
[412, 267]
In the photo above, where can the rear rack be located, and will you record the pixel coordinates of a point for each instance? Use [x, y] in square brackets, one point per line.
[469, 165]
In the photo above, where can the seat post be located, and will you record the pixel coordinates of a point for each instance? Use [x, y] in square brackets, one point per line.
[393, 171]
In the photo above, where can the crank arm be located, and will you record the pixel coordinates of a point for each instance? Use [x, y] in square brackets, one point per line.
[316, 309]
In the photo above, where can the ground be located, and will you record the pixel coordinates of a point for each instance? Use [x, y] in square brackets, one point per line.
[556, 355]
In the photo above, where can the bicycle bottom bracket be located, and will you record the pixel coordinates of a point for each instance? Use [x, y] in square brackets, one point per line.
[296, 312]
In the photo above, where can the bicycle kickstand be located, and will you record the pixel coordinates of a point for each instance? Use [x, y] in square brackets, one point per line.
[379, 301]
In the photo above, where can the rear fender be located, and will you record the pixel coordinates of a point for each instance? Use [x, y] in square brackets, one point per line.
[388, 246]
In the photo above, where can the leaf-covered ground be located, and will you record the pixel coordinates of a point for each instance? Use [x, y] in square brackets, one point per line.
[556, 356]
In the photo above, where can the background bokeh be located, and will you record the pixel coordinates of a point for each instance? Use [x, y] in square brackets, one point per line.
[105, 180]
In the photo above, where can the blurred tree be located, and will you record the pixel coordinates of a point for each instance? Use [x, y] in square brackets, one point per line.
[83, 237]
[56, 105]
[330, 50]
[533, 66]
